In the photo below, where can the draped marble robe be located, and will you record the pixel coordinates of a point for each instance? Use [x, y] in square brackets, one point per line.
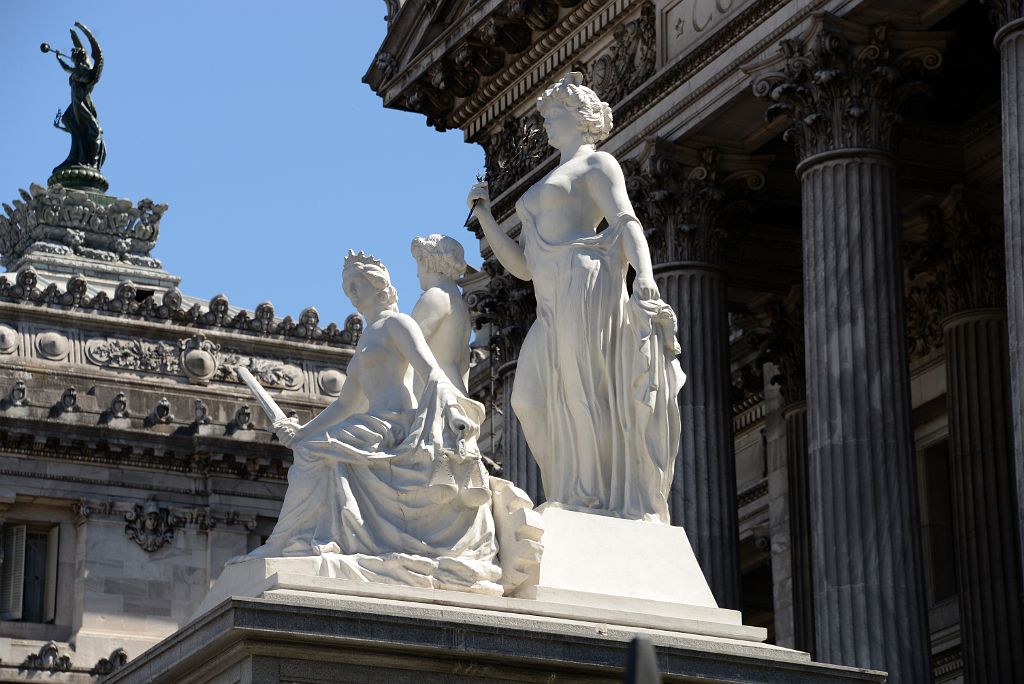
[597, 378]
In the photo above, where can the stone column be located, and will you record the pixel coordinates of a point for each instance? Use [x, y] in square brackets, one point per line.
[1009, 39]
[961, 253]
[703, 496]
[840, 85]
[682, 198]
[782, 329]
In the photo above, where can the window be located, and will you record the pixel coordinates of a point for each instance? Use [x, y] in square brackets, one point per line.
[28, 573]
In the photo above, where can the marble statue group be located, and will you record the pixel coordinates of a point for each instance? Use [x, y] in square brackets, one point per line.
[388, 483]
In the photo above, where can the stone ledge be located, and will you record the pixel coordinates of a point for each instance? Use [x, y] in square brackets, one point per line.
[329, 639]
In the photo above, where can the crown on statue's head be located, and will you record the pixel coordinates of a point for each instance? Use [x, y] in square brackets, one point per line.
[353, 259]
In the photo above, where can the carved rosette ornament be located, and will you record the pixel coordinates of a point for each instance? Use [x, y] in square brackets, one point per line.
[149, 526]
[842, 83]
[9, 339]
[686, 199]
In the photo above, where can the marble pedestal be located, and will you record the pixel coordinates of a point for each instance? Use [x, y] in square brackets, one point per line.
[602, 582]
[312, 629]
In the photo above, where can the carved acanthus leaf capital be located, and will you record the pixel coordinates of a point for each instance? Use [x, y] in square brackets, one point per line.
[953, 262]
[508, 306]
[1004, 12]
[842, 83]
[685, 198]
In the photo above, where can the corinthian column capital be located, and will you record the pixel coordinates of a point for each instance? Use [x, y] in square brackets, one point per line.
[684, 197]
[842, 83]
[953, 259]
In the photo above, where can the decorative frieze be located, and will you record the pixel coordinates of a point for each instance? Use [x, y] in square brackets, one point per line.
[842, 83]
[133, 354]
[629, 61]
[168, 306]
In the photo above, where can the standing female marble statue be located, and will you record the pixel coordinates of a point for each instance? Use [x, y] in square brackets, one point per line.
[596, 381]
[441, 311]
[388, 486]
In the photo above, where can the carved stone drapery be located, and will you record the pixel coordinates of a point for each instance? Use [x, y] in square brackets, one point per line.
[842, 84]
[685, 198]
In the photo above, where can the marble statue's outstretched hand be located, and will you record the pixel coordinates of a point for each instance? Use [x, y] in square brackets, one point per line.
[645, 288]
[479, 198]
[288, 431]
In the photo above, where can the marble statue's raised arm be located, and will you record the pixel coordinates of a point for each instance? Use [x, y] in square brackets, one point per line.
[507, 250]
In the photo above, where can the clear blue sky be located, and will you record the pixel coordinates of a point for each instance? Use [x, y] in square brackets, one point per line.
[251, 121]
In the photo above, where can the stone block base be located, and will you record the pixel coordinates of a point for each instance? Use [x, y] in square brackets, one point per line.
[309, 636]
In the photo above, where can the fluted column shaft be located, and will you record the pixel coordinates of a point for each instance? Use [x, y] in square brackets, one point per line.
[981, 450]
[1010, 41]
[795, 416]
[868, 588]
[703, 496]
[518, 464]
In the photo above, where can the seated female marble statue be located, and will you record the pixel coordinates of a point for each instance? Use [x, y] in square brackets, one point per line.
[597, 379]
[388, 486]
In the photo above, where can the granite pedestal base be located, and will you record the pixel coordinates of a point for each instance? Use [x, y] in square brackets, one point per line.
[302, 628]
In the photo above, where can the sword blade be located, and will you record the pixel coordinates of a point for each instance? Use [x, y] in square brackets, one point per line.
[270, 406]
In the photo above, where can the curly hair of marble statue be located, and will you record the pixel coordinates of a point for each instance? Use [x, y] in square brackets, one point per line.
[438, 253]
[593, 116]
[375, 272]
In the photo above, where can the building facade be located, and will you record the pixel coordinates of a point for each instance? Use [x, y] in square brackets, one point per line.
[831, 191]
[133, 462]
